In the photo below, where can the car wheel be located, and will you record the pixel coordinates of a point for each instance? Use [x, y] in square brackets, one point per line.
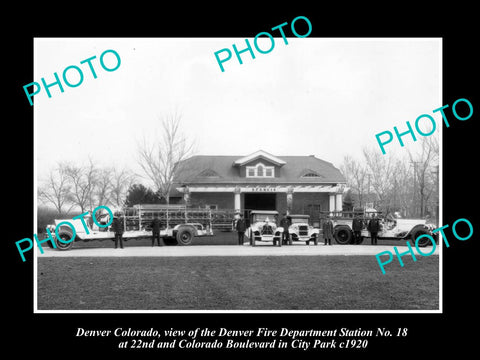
[423, 241]
[184, 237]
[343, 235]
[65, 236]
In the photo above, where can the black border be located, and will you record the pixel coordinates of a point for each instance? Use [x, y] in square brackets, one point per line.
[428, 333]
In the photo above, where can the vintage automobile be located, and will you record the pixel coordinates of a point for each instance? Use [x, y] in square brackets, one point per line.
[391, 228]
[301, 230]
[263, 227]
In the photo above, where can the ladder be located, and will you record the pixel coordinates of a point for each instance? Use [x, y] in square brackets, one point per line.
[140, 216]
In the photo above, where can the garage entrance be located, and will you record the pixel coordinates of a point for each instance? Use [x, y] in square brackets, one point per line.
[260, 201]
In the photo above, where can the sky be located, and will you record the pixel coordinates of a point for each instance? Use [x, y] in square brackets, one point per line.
[326, 97]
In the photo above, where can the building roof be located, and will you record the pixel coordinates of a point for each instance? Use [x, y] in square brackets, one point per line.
[219, 169]
[259, 154]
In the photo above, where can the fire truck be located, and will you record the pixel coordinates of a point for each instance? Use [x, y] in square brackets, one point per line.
[391, 227]
[179, 225]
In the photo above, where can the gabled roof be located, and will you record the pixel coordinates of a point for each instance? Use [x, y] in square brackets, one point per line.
[228, 173]
[259, 154]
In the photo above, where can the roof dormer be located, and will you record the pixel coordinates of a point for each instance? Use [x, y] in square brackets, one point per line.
[260, 154]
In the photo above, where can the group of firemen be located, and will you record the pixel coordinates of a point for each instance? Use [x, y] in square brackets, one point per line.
[118, 226]
[357, 224]
[373, 227]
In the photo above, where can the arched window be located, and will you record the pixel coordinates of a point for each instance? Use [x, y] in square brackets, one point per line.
[209, 173]
[307, 173]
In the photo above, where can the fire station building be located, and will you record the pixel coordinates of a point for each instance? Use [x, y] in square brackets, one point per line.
[260, 181]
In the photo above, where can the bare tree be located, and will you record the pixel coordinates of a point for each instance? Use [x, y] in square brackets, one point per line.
[398, 185]
[425, 178]
[381, 169]
[159, 159]
[120, 183]
[401, 192]
[355, 174]
[83, 180]
[103, 186]
[56, 189]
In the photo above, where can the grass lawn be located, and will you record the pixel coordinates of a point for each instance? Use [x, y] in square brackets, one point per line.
[236, 283]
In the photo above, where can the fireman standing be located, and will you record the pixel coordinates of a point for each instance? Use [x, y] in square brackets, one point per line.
[117, 227]
[241, 227]
[285, 223]
[156, 226]
[357, 225]
[373, 227]
[327, 231]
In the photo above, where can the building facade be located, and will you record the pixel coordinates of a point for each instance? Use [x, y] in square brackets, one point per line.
[260, 181]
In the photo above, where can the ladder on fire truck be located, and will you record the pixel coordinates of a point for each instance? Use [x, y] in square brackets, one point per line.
[140, 216]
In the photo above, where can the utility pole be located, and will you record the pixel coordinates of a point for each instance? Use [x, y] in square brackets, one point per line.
[395, 195]
[437, 187]
[414, 187]
[368, 190]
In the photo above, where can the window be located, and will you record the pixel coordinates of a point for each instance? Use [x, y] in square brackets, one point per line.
[260, 170]
[209, 173]
[307, 173]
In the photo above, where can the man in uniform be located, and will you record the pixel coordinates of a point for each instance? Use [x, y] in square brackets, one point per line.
[373, 227]
[285, 223]
[327, 231]
[235, 219]
[156, 226]
[357, 228]
[240, 227]
[117, 227]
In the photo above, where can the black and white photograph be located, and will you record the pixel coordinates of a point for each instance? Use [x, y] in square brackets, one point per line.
[282, 188]
[254, 175]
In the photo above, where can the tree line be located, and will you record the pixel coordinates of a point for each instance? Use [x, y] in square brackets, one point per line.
[84, 187]
[70, 188]
[407, 184]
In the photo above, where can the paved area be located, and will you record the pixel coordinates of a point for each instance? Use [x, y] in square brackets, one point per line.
[232, 250]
